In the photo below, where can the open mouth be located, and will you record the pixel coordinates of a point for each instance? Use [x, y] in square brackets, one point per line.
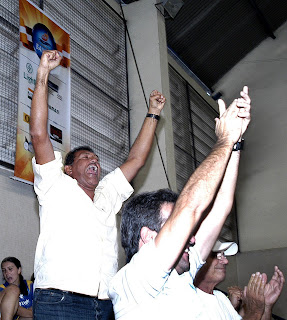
[92, 169]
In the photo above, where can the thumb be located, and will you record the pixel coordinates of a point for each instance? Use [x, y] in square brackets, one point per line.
[221, 106]
[244, 292]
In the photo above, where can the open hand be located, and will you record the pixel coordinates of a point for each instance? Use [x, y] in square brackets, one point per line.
[274, 287]
[233, 121]
[253, 297]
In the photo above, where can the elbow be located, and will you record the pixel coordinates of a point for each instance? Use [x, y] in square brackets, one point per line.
[137, 162]
[38, 136]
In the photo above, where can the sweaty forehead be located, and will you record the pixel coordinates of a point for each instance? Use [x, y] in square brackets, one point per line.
[7, 264]
[166, 210]
[84, 152]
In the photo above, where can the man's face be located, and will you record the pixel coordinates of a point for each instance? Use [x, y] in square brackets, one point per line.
[85, 169]
[215, 268]
[183, 262]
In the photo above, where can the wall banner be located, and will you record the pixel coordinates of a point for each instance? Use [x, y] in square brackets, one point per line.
[38, 32]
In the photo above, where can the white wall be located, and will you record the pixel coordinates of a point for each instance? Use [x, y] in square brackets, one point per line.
[261, 191]
[147, 32]
[19, 226]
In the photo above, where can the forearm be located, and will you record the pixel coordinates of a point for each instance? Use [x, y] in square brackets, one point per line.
[194, 199]
[202, 186]
[25, 313]
[141, 147]
[213, 223]
[39, 117]
[39, 106]
[252, 316]
[267, 315]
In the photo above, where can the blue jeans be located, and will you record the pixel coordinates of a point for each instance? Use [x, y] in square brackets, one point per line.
[54, 304]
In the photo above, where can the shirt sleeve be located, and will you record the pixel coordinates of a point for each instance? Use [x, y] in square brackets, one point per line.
[46, 174]
[141, 279]
[195, 261]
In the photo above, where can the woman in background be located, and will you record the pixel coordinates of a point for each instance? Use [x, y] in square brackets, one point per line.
[16, 294]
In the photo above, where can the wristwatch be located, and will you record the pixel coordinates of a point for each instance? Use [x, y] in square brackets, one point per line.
[238, 145]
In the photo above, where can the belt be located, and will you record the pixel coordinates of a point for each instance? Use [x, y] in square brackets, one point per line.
[70, 292]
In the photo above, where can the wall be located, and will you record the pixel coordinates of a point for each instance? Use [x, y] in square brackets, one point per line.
[19, 227]
[146, 28]
[261, 190]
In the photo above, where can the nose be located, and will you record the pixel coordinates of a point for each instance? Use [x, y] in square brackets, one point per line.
[224, 260]
[94, 159]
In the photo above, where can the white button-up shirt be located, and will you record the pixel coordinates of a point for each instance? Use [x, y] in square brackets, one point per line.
[144, 290]
[77, 248]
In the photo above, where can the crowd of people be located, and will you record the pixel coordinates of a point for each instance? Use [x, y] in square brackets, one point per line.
[174, 258]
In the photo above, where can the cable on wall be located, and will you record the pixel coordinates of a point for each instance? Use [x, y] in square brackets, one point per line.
[140, 79]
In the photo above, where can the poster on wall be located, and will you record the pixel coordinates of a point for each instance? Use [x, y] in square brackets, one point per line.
[39, 32]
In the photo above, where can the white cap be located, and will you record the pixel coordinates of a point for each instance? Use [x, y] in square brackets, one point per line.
[229, 248]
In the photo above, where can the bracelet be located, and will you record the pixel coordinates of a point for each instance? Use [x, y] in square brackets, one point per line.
[154, 116]
[238, 145]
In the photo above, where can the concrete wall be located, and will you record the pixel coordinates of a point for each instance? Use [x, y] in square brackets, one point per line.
[19, 221]
[261, 190]
[146, 28]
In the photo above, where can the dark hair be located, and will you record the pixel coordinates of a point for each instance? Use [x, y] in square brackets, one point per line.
[70, 157]
[22, 286]
[142, 210]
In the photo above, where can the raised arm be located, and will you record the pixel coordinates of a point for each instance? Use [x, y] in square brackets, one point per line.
[200, 189]
[211, 226]
[143, 143]
[39, 108]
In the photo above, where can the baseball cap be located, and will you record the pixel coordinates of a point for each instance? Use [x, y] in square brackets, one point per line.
[229, 248]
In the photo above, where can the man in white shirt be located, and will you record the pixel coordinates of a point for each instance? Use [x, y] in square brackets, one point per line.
[215, 305]
[157, 231]
[76, 254]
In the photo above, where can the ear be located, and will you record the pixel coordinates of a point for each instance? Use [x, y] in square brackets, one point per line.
[147, 234]
[19, 270]
[68, 170]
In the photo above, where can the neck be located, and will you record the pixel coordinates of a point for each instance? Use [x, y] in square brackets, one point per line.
[88, 191]
[206, 287]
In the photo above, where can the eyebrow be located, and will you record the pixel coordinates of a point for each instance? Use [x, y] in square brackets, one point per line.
[88, 153]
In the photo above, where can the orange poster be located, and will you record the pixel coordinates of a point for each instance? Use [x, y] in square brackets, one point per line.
[38, 32]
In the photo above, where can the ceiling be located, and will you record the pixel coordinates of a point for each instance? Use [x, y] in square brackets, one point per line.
[211, 36]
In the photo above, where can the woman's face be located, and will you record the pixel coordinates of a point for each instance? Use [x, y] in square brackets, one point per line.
[11, 273]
